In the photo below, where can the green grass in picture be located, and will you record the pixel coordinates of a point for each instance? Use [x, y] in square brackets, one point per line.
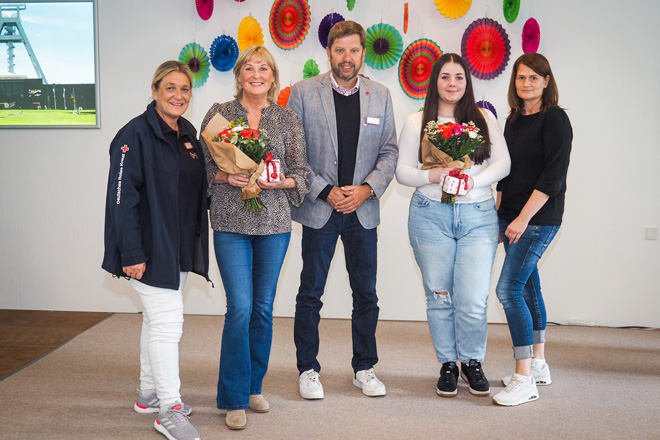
[46, 117]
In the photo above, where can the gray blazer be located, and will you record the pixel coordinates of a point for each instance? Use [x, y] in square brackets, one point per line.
[377, 150]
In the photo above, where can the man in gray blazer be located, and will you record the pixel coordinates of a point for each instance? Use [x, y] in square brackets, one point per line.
[351, 149]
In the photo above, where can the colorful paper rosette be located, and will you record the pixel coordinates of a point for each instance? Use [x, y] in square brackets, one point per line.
[415, 67]
[486, 48]
[249, 33]
[289, 22]
[204, 8]
[511, 9]
[283, 97]
[196, 58]
[487, 105]
[384, 46]
[326, 24]
[310, 69]
[453, 8]
[224, 53]
[350, 4]
[531, 36]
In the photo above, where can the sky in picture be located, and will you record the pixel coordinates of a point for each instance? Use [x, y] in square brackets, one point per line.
[62, 38]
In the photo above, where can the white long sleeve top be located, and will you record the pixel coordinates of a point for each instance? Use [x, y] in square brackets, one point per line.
[490, 171]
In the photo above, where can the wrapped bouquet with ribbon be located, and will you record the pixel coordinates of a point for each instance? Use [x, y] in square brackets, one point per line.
[238, 149]
[449, 145]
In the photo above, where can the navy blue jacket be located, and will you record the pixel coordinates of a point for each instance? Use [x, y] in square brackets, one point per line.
[141, 212]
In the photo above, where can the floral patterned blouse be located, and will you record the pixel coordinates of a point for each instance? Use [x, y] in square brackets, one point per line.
[287, 141]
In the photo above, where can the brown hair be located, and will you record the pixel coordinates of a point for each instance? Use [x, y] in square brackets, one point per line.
[259, 53]
[168, 67]
[466, 109]
[346, 28]
[539, 64]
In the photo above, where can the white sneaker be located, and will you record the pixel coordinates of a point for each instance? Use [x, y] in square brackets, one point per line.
[367, 381]
[540, 375]
[310, 385]
[519, 391]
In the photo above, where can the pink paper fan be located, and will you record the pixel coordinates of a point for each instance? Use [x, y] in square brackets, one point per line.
[204, 8]
[531, 36]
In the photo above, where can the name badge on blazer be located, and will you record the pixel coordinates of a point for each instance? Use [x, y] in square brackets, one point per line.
[372, 120]
[188, 145]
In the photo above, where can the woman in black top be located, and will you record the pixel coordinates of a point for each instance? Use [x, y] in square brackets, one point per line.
[530, 206]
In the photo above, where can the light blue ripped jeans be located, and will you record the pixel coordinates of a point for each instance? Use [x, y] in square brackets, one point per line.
[455, 246]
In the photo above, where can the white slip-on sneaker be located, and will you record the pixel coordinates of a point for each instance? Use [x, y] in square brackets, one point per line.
[540, 375]
[310, 385]
[520, 390]
[367, 381]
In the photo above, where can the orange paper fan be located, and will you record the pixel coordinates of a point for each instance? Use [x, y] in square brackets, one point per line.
[453, 8]
[405, 18]
[249, 33]
[283, 98]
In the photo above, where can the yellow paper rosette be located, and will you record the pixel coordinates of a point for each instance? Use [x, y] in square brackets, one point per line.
[453, 8]
[249, 33]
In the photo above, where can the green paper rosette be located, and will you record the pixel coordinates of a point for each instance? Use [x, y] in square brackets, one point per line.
[384, 46]
[195, 57]
[511, 9]
[311, 69]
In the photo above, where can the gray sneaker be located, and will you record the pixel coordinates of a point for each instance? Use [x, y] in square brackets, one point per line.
[174, 424]
[148, 403]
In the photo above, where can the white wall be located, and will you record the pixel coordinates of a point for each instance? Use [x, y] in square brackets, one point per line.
[598, 269]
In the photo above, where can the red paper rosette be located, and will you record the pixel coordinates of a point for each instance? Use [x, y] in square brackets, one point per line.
[289, 22]
[283, 97]
[531, 36]
[486, 48]
[415, 67]
[204, 8]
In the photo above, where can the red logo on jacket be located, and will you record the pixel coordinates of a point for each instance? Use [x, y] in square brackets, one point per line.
[124, 148]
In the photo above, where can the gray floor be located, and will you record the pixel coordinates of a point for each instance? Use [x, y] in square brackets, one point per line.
[606, 386]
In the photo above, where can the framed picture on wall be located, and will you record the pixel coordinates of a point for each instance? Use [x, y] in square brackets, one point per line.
[49, 64]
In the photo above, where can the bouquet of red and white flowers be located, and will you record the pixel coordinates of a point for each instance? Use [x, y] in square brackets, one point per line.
[449, 145]
[238, 149]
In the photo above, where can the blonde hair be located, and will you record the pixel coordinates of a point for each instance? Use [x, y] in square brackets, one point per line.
[258, 53]
[168, 67]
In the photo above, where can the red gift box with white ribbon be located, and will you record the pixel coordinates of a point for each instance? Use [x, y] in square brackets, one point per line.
[454, 183]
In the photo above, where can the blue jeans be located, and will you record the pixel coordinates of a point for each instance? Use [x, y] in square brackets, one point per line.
[249, 266]
[519, 287]
[455, 246]
[318, 248]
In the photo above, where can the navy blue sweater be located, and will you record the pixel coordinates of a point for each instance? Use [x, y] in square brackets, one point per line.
[141, 214]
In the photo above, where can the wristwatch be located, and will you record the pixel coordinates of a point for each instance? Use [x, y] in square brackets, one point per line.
[373, 194]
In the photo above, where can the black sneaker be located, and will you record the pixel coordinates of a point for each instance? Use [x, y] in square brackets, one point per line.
[448, 382]
[474, 375]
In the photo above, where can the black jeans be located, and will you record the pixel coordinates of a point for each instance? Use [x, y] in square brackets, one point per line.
[360, 251]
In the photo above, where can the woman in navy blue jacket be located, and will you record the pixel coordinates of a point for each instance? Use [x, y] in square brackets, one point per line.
[156, 231]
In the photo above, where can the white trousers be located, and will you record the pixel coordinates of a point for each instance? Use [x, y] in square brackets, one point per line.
[162, 326]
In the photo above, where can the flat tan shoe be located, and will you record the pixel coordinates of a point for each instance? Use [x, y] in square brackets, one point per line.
[259, 404]
[236, 419]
